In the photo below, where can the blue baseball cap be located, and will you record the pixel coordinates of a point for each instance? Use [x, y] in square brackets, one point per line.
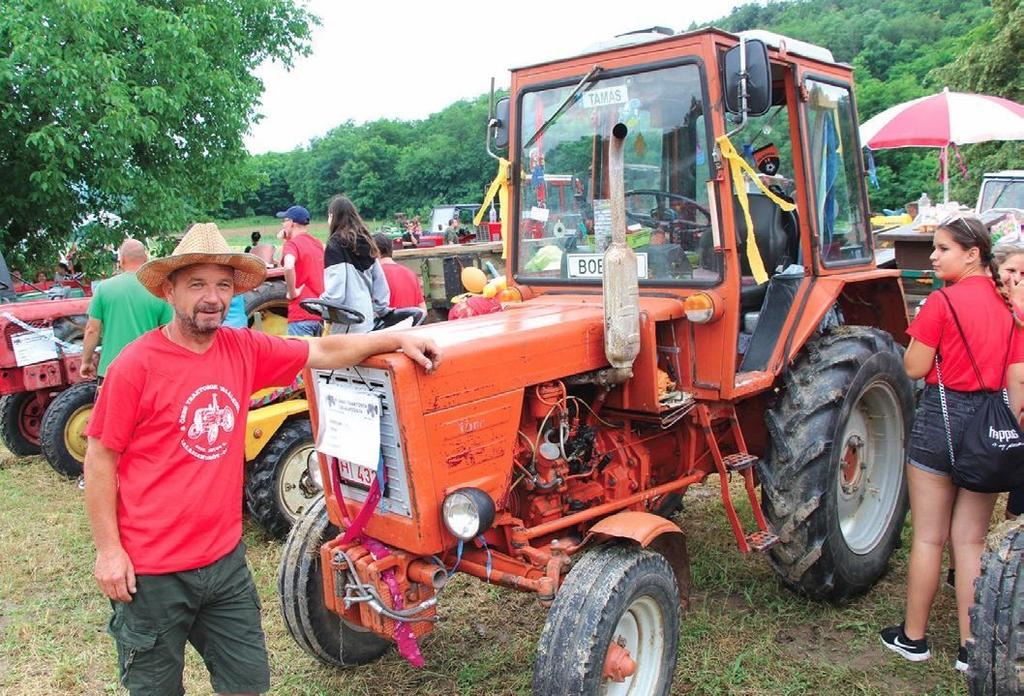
[296, 214]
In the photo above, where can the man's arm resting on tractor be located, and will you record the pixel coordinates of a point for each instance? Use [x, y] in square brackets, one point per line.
[93, 332]
[114, 571]
[345, 350]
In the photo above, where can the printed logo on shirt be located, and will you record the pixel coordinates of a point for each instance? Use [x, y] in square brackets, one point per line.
[207, 419]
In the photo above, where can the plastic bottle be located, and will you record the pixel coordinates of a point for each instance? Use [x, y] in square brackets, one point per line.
[923, 202]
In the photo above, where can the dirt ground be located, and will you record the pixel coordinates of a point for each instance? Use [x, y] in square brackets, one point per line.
[744, 633]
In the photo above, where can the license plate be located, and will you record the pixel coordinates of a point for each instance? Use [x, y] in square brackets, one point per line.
[356, 475]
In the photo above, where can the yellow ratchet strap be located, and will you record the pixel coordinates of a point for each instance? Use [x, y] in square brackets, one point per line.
[737, 168]
[498, 186]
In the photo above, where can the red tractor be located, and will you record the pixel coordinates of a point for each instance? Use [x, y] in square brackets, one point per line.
[40, 351]
[707, 310]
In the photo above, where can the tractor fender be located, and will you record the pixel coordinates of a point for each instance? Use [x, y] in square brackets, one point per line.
[264, 422]
[653, 532]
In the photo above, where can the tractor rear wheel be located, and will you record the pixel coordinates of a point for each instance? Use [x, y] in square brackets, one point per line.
[996, 648]
[267, 308]
[316, 629]
[63, 432]
[279, 486]
[833, 485]
[20, 415]
[613, 627]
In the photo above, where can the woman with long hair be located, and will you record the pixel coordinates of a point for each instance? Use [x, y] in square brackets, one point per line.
[971, 364]
[352, 272]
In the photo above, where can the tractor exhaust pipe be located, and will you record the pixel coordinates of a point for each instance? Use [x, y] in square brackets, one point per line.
[620, 285]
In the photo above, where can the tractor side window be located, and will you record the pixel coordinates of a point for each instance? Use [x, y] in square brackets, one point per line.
[842, 223]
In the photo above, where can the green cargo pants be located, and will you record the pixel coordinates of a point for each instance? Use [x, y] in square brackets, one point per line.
[215, 608]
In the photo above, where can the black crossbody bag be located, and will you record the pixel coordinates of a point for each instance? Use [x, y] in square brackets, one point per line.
[991, 454]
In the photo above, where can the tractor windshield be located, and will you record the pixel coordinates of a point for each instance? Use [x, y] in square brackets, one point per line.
[564, 221]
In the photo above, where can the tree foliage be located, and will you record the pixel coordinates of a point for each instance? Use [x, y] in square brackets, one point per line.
[129, 110]
[901, 50]
[384, 166]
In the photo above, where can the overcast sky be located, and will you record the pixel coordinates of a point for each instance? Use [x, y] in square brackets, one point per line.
[408, 60]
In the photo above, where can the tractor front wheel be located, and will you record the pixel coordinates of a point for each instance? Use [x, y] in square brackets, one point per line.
[833, 485]
[317, 630]
[63, 431]
[613, 627]
[996, 648]
[280, 484]
[20, 415]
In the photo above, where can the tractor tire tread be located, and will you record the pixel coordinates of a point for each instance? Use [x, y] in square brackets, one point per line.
[261, 478]
[14, 440]
[55, 420]
[995, 657]
[569, 658]
[795, 475]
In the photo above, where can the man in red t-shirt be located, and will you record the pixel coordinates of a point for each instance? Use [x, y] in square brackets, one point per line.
[303, 260]
[164, 469]
[406, 288]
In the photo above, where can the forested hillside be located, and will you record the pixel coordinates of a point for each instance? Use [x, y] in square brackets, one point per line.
[900, 49]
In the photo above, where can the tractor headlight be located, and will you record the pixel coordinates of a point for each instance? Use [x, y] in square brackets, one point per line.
[467, 512]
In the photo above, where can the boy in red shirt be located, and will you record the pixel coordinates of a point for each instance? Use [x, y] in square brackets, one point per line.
[406, 287]
[165, 462]
[302, 257]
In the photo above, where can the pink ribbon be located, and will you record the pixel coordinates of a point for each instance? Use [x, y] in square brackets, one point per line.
[405, 639]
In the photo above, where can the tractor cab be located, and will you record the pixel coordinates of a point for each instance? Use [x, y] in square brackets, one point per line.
[792, 164]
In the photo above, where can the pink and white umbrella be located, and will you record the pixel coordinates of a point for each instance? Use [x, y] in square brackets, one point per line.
[943, 119]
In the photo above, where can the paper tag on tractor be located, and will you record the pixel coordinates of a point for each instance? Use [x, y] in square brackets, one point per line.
[349, 426]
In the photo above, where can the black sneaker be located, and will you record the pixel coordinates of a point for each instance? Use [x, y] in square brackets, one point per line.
[961, 659]
[896, 640]
[951, 578]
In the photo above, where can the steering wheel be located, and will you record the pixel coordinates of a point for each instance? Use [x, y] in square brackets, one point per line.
[664, 215]
[333, 311]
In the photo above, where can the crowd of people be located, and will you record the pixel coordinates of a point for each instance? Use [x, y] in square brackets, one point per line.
[159, 512]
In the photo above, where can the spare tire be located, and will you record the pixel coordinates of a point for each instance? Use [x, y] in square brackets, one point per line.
[267, 308]
[995, 652]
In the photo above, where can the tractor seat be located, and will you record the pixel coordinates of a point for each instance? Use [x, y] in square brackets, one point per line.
[778, 240]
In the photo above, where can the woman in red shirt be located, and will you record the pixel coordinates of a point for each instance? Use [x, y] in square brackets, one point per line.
[941, 511]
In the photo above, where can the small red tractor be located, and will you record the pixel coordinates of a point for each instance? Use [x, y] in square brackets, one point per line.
[688, 319]
[40, 345]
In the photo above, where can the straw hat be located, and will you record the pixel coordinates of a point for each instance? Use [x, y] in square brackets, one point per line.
[203, 243]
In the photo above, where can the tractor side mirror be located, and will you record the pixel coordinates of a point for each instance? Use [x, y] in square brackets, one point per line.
[748, 78]
[499, 123]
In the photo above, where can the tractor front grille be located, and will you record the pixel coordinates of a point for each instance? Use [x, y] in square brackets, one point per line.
[396, 498]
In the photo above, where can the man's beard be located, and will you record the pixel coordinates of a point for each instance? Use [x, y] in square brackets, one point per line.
[191, 326]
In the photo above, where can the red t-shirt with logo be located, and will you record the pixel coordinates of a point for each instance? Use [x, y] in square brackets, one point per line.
[986, 323]
[309, 272]
[406, 288]
[177, 420]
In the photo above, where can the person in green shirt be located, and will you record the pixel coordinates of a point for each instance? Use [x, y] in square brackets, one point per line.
[121, 310]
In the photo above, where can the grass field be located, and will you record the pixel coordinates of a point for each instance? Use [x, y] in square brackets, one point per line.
[744, 634]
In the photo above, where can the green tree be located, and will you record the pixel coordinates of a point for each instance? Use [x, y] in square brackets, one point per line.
[135, 108]
[992, 62]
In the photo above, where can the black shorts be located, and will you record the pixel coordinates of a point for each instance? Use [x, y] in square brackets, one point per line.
[927, 448]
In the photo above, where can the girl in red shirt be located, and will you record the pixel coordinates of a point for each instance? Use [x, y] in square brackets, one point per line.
[941, 511]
